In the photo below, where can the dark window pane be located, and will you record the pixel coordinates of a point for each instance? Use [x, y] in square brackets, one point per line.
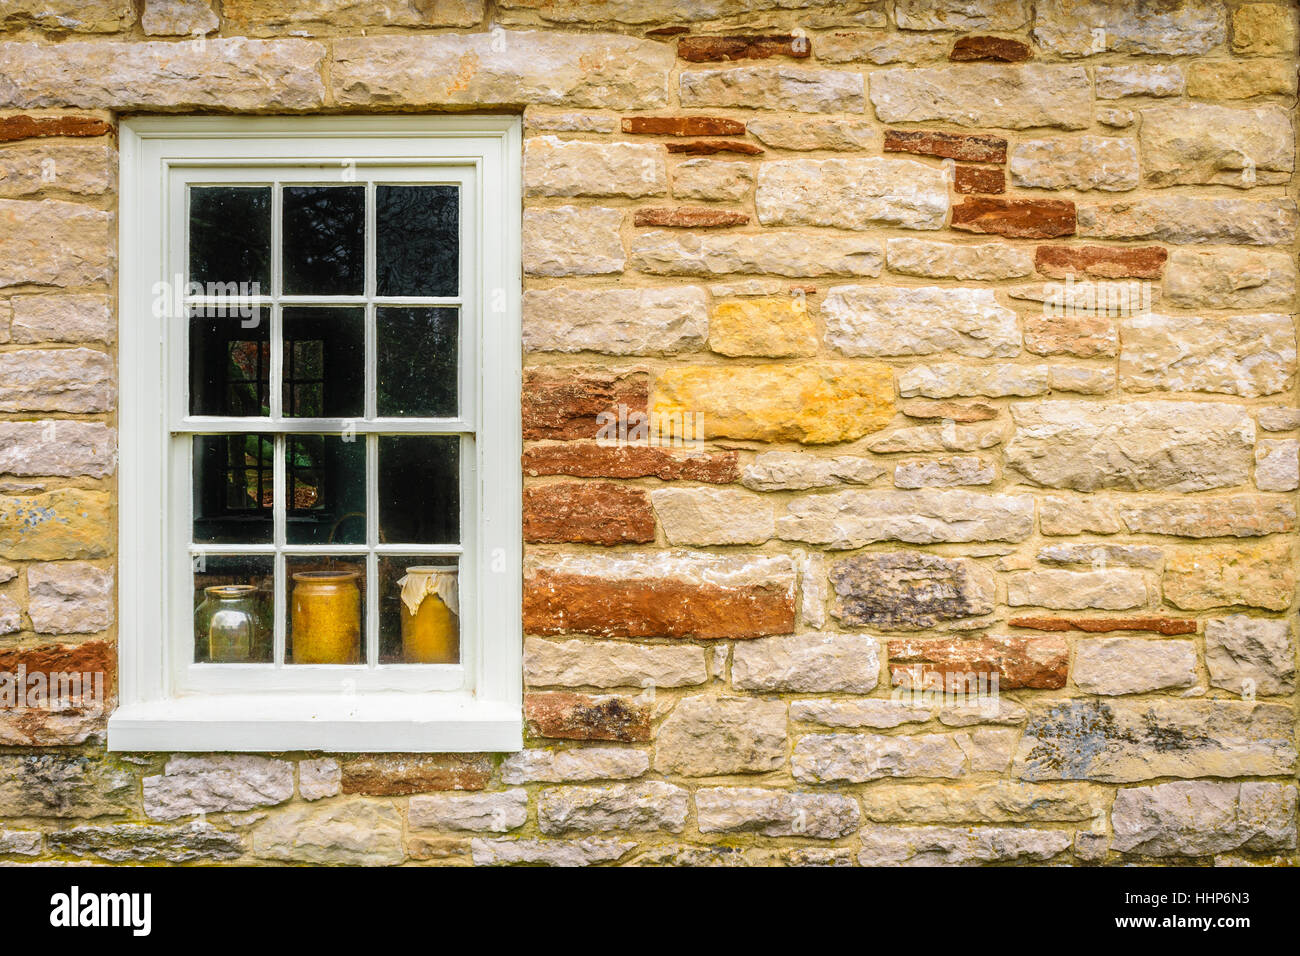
[233, 487]
[418, 239]
[419, 490]
[230, 237]
[233, 608]
[324, 363]
[325, 478]
[230, 365]
[417, 362]
[327, 610]
[419, 610]
[324, 240]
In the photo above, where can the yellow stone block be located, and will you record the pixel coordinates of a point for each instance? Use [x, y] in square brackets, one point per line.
[774, 326]
[1240, 80]
[65, 523]
[1259, 575]
[1263, 28]
[809, 403]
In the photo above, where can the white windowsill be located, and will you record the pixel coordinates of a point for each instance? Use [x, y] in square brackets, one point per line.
[394, 723]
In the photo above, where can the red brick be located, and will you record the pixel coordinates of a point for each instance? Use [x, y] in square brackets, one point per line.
[393, 775]
[67, 712]
[706, 148]
[689, 217]
[579, 512]
[1015, 218]
[980, 179]
[683, 125]
[28, 127]
[563, 403]
[965, 147]
[1102, 625]
[90, 657]
[567, 716]
[998, 49]
[1101, 262]
[1037, 662]
[597, 460]
[707, 49]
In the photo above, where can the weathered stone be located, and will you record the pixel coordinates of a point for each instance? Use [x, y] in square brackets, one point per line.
[950, 380]
[127, 843]
[587, 513]
[85, 16]
[712, 181]
[51, 242]
[1230, 278]
[959, 146]
[1277, 464]
[585, 717]
[1263, 28]
[653, 806]
[985, 803]
[1102, 556]
[54, 785]
[951, 411]
[946, 437]
[780, 470]
[1103, 262]
[880, 47]
[850, 519]
[567, 403]
[995, 49]
[857, 758]
[1125, 741]
[1139, 79]
[355, 833]
[64, 523]
[1175, 446]
[20, 843]
[961, 14]
[706, 49]
[840, 135]
[1015, 218]
[808, 403]
[84, 169]
[1017, 661]
[851, 193]
[909, 590]
[923, 320]
[979, 179]
[774, 88]
[11, 615]
[711, 516]
[1126, 665]
[578, 664]
[1085, 381]
[1261, 575]
[706, 736]
[62, 318]
[774, 813]
[501, 67]
[598, 460]
[946, 260]
[67, 694]
[683, 125]
[1083, 163]
[1204, 143]
[689, 217]
[775, 327]
[191, 785]
[1101, 625]
[579, 763]
[1085, 336]
[878, 713]
[659, 594]
[807, 663]
[585, 852]
[556, 167]
[306, 15]
[1199, 818]
[566, 241]
[401, 774]
[952, 846]
[57, 380]
[22, 126]
[318, 779]
[1248, 355]
[1186, 219]
[1110, 590]
[1250, 655]
[59, 447]
[982, 710]
[492, 812]
[1237, 80]
[1240, 516]
[1279, 419]
[1086, 27]
[178, 18]
[786, 254]
[988, 95]
[945, 472]
[69, 597]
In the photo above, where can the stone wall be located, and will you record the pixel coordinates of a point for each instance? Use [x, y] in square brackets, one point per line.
[984, 310]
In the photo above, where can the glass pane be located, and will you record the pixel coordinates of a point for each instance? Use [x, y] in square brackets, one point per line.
[419, 490]
[324, 240]
[417, 243]
[418, 362]
[230, 364]
[419, 610]
[325, 478]
[324, 364]
[233, 608]
[233, 488]
[326, 601]
[230, 238]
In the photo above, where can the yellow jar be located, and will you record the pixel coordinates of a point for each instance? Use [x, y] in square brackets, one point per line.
[430, 616]
[326, 617]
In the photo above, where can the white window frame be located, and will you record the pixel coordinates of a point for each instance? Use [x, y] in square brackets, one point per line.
[166, 702]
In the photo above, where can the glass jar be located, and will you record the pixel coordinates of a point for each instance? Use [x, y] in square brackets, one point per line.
[430, 616]
[228, 625]
[326, 617]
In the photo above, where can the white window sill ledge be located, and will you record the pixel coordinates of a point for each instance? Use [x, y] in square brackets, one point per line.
[392, 723]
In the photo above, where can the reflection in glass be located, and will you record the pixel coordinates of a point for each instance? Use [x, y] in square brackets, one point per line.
[230, 365]
[324, 240]
[417, 240]
[324, 363]
[418, 362]
[233, 488]
[325, 478]
[419, 610]
[326, 610]
[232, 614]
[230, 238]
[419, 490]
